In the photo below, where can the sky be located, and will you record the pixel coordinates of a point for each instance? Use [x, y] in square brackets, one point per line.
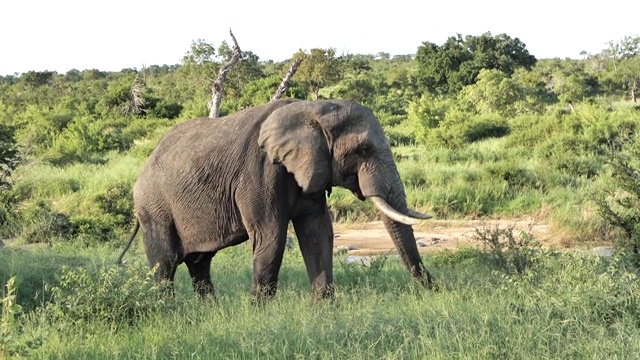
[60, 35]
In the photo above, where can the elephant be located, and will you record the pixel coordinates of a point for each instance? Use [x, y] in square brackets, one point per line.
[214, 183]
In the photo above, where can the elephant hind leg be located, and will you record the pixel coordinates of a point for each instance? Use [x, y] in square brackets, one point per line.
[163, 249]
[199, 265]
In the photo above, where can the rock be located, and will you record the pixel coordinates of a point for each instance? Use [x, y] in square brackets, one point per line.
[363, 260]
[421, 243]
[603, 251]
[347, 247]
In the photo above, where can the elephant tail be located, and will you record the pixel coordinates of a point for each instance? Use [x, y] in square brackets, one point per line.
[133, 235]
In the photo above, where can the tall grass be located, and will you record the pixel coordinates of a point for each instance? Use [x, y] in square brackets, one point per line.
[582, 307]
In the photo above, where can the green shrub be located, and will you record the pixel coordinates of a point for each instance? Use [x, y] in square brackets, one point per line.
[516, 177]
[485, 127]
[456, 132]
[509, 252]
[619, 200]
[10, 326]
[40, 223]
[398, 135]
[85, 137]
[117, 202]
[117, 295]
[165, 110]
[91, 230]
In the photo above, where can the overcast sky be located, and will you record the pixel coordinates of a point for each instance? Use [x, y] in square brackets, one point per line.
[64, 34]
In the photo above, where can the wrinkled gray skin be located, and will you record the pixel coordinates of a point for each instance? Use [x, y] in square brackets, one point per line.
[210, 184]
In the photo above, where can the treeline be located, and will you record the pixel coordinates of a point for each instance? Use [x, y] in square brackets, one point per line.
[483, 73]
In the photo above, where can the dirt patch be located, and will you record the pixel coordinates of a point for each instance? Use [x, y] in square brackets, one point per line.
[372, 238]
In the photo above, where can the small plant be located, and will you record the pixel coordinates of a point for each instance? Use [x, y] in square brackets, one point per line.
[509, 251]
[113, 294]
[362, 270]
[10, 327]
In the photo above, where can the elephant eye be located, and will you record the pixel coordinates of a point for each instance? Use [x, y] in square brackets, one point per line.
[363, 151]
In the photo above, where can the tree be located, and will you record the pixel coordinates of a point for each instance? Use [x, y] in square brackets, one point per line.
[218, 85]
[35, 79]
[136, 103]
[629, 74]
[571, 83]
[624, 57]
[494, 92]
[8, 155]
[448, 68]
[284, 85]
[320, 68]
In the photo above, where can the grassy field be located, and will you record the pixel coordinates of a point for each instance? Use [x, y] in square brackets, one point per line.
[76, 304]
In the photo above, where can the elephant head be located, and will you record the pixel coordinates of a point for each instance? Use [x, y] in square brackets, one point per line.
[339, 143]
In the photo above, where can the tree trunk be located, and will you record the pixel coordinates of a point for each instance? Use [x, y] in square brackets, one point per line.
[218, 85]
[284, 85]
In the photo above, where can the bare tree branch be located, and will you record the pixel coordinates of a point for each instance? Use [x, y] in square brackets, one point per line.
[218, 85]
[284, 85]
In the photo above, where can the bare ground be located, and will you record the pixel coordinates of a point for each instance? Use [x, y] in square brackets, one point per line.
[372, 239]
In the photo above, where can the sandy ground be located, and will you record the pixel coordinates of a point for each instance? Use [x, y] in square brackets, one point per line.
[372, 238]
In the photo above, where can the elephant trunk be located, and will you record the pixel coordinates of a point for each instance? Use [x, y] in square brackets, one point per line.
[388, 196]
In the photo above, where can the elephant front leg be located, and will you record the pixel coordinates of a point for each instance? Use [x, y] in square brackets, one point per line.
[315, 237]
[268, 250]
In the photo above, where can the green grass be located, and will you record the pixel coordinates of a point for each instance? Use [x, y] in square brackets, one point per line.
[568, 306]
[73, 188]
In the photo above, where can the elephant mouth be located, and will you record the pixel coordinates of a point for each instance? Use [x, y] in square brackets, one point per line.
[358, 194]
[350, 182]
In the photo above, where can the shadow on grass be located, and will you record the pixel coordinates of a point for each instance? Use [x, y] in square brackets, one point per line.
[34, 269]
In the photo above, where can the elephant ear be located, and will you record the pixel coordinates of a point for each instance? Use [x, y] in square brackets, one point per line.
[293, 136]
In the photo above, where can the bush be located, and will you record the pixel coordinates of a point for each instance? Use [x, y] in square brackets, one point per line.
[89, 230]
[9, 158]
[164, 109]
[40, 223]
[85, 137]
[456, 133]
[10, 326]
[619, 202]
[516, 177]
[510, 252]
[117, 202]
[115, 295]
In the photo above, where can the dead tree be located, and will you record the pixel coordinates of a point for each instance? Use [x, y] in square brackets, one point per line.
[136, 102]
[218, 85]
[284, 85]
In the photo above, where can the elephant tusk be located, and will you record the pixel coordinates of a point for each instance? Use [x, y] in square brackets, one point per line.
[392, 213]
[418, 215]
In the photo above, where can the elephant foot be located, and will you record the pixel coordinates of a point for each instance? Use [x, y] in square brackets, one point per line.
[204, 289]
[262, 294]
